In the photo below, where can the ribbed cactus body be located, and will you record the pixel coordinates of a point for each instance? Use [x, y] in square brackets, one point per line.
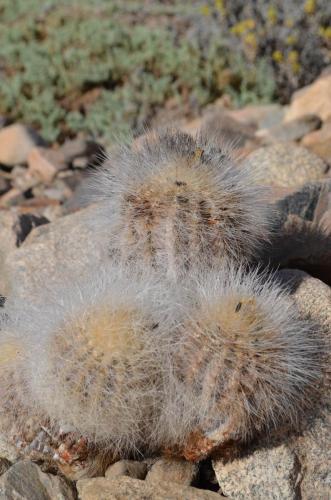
[90, 361]
[244, 361]
[176, 203]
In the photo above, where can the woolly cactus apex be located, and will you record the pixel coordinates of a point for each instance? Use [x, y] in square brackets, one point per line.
[90, 369]
[172, 201]
[243, 361]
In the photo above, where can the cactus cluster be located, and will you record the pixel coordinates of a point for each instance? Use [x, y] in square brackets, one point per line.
[177, 344]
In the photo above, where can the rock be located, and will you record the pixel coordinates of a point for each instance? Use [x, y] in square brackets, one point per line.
[172, 470]
[313, 446]
[319, 141]
[4, 185]
[78, 148]
[300, 244]
[287, 165]
[40, 165]
[219, 124]
[290, 131]
[313, 99]
[312, 296]
[11, 198]
[56, 254]
[16, 142]
[265, 473]
[131, 468]
[124, 488]
[303, 202]
[4, 465]
[23, 179]
[7, 451]
[80, 162]
[25, 481]
[24, 225]
[261, 116]
[325, 222]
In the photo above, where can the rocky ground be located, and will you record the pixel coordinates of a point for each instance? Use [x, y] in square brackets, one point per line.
[43, 239]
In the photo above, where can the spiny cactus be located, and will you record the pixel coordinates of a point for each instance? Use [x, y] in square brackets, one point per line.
[174, 202]
[87, 369]
[242, 362]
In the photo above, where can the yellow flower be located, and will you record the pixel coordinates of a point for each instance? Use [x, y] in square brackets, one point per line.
[250, 39]
[289, 23]
[293, 56]
[325, 33]
[293, 59]
[310, 6]
[219, 5]
[243, 26]
[291, 39]
[277, 56]
[272, 14]
[205, 10]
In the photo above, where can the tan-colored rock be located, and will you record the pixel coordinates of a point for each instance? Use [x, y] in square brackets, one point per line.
[264, 474]
[41, 166]
[325, 221]
[125, 488]
[287, 165]
[319, 141]
[290, 131]
[261, 116]
[25, 481]
[172, 470]
[300, 244]
[314, 99]
[16, 142]
[312, 296]
[57, 254]
[4, 465]
[313, 446]
[130, 468]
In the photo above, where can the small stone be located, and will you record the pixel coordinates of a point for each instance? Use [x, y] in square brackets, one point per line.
[25, 481]
[11, 198]
[16, 142]
[325, 222]
[73, 148]
[265, 473]
[259, 116]
[313, 99]
[131, 468]
[300, 244]
[172, 470]
[319, 141]
[290, 131]
[23, 179]
[40, 166]
[124, 488]
[302, 202]
[312, 296]
[219, 124]
[4, 465]
[4, 185]
[287, 165]
[80, 162]
[7, 451]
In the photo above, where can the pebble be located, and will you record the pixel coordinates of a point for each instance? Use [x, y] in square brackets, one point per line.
[16, 142]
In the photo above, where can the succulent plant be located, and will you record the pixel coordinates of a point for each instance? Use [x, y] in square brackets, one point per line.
[243, 361]
[174, 203]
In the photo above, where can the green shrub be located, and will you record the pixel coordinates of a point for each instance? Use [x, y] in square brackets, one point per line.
[105, 66]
